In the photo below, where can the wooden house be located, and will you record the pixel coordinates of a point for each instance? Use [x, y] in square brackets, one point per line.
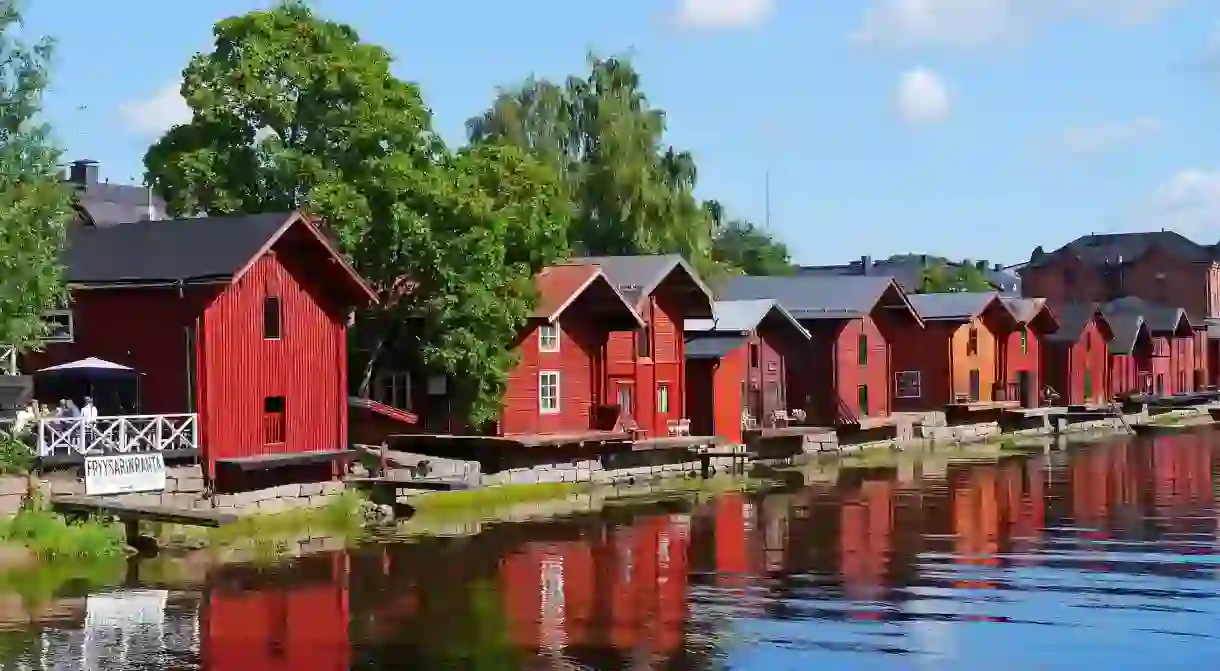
[1075, 359]
[954, 356]
[646, 367]
[737, 365]
[853, 321]
[1131, 351]
[1020, 366]
[238, 321]
[1175, 355]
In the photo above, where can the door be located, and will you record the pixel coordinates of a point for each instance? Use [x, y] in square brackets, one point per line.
[1160, 384]
[975, 385]
[1088, 384]
[1025, 389]
[754, 402]
[626, 399]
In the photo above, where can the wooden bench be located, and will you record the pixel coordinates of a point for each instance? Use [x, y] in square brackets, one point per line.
[130, 514]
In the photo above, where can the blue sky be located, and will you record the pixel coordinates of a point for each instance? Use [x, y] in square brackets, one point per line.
[967, 128]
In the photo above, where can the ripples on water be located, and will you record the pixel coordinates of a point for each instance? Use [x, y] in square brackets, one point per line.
[1102, 557]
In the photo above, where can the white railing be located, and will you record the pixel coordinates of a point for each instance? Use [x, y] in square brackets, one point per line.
[8, 360]
[61, 436]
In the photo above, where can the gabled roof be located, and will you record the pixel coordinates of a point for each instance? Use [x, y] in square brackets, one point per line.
[1160, 318]
[955, 305]
[1126, 327]
[1073, 318]
[713, 347]
[636, 277]
[741, 317]
[1115, 248]
[185, 250]
[560, 285]
[817, 297]
[1031, 311]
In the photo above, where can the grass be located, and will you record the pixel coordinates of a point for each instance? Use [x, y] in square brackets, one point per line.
[41, 582]
[339, 517]
[483, 498]
[51, 536]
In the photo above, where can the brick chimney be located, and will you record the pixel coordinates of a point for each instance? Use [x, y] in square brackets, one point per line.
[83, 172]
[866, 265]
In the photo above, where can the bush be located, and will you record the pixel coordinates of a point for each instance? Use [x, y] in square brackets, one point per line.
[52, 536]
[16, 455]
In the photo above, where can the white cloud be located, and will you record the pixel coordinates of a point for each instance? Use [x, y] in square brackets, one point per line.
[922, 97]
[1104, 137]
[1188, 203]
[973, 23]
[156, 114]
[723, 13]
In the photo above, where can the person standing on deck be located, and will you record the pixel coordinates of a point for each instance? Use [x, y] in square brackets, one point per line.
[89, 412]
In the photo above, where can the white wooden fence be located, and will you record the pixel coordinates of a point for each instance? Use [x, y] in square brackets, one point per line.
[63, 436]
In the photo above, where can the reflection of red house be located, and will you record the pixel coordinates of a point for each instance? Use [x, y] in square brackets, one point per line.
[299, 626]
[867, 519]
[976, 521]
[733, 520]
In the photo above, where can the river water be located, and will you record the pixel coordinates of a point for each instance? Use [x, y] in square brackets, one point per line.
[1101, 556]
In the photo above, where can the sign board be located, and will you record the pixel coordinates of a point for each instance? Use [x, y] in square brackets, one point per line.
[125, 473]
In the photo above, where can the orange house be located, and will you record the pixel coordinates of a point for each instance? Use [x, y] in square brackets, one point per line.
[955, 357]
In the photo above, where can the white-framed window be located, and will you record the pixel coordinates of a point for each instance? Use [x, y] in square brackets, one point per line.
[62, 327]
[907, 384]
[548, 338]
[393, 388]
[548, 392]
[663, 397]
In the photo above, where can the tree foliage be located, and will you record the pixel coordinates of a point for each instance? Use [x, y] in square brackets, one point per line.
[293, 111]
[34, 205]
[940, 275]
[740, 246]
[631, 193]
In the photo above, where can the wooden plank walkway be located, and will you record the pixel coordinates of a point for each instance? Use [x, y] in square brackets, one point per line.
[130, 514]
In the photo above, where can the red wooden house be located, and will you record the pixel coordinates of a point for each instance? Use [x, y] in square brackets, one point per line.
[953, 357]
[1021, 351]
[241, 319]
[1130, 354]
[1075, 359]
[737, 363]
[647, 367]
[1176, 349]
[845, 373]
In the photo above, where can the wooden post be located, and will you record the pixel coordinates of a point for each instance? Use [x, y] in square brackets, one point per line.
[131, 527]
[705, 463]
[382, 459]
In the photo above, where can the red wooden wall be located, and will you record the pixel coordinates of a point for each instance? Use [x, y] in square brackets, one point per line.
[578, 362]
[927, 349]
[1015, 361]
[1065, 366]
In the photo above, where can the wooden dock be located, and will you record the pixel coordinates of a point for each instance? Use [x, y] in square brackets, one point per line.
[131, 514]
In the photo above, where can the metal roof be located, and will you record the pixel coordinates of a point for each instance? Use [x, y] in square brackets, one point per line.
[813, 296]
[1160, 318]
[1073, 317]
[712, 346]
[954, 305]
[636, 277]
[741, 317]
[1115, 248]
[1126, 327]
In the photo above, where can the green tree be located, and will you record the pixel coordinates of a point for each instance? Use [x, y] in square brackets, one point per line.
[740, 246]
[34, 205]
[940, 275]
[631, 193]
[295, 112]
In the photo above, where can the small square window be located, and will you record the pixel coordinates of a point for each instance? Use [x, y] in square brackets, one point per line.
[393, 388]
[907, 384]
[60, 326]
[271, 318]
[548, 392]
[548, 338]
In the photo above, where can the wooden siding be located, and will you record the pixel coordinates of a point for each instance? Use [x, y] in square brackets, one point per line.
[306, 366]
[925, 350]
[825, 380]
[964, 361]
[1015, 361]
[1067, 363]
[580, 346]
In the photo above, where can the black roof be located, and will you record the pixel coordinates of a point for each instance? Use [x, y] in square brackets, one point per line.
[108, 204]
[1115, 248]
[1160, 318]
[953, 305]
[813, 296]
[1126, 327]
[712, 346]
[168, 250]
[637, 276]
[1073, 317]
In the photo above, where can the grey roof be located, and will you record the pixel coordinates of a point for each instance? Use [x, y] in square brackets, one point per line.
[908, 272]
[741, 317]
[112, 204]
[1126, 327]
[638, 276]
[957, 305]
[1160, 318]
[1115, 248]
[1024, 309]
[168, 250]
[713, 346]
[812, 296]
[1073, 317]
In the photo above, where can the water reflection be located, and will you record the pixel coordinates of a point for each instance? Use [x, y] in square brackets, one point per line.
[1102, 555]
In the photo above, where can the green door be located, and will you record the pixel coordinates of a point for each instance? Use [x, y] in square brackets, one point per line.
[1088, 383]
[862, 399]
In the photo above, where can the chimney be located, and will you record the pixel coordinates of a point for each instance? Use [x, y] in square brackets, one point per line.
[866, 265]
[83, 172]
[998, 267]
[923, 260]
[981, 265]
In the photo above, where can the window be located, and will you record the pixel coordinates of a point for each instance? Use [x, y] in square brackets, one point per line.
[271, 318]
[548, 393]
[907, 384]
[626, 399]
[393, 388]
[1024, 340]
[60, 326]
[274, 425]
[862, 400]
[548, 338]
[754, 355]
[862, 349]
[663, 398]
[972, 343]
[643, 344]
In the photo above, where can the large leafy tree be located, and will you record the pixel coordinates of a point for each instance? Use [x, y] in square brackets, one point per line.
[293, 111]
[741, 246]
[34, 206]
[631, 192]
[940, 275]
